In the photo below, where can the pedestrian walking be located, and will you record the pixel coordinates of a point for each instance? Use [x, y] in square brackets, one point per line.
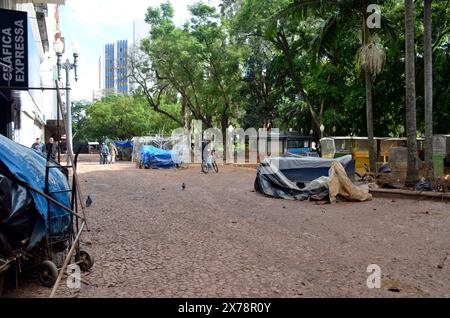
[38, 146]
[104, 151]
[112, 153]
[50, 148]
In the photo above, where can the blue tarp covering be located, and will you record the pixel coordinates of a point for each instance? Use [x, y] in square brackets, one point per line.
[123, 144]
[299, 150]
[28, 165]
[152, 157]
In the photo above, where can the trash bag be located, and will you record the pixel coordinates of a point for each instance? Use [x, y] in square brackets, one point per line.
[424, 186]
[17, 215]
[385, 169]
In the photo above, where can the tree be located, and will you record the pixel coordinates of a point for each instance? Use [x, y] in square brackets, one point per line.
[79, 119]
[412, 175]
[295, 63]
[428, 88]
[199, 61]
[122, 117]
[353, 14]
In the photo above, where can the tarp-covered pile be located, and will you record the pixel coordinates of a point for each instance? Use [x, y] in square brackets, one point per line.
[123, 144]
[155, 158]
[24, 214]
[124, 149]
[306, 169]
[272, 179]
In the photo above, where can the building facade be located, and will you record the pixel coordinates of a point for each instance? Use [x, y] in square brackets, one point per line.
[29, 113]
[114, 64]
[114, 69]
[110, 78]
[122, 67]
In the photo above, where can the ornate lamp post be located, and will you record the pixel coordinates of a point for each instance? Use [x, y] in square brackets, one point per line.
[322, 129]
[67, 66]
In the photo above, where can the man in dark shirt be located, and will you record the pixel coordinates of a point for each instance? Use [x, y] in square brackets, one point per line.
[51, 148]
[38, 146]
[205, 143]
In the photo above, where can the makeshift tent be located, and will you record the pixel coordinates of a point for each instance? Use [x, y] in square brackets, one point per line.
[25, 213]
[152, 157]
[161, 142]
[271, 180]
[306, 169]
[124, 149]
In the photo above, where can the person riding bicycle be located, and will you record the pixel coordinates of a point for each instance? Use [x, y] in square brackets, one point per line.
[211, 157]
[205, 143]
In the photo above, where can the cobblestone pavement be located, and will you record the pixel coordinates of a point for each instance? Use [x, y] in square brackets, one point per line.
[218, 238]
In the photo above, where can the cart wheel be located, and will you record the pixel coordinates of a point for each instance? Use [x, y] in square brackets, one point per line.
[86, 261]
[48, 273]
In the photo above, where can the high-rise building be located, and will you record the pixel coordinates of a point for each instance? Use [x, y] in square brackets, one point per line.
[114, 63]
[122, 67]
[109, 69]
[116, 68]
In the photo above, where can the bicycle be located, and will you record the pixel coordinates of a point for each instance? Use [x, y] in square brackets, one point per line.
[207, 166]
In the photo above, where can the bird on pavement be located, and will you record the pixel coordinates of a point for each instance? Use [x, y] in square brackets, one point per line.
[183, 186]
[88, 201]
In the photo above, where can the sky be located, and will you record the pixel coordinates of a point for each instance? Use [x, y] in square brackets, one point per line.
[94, 23]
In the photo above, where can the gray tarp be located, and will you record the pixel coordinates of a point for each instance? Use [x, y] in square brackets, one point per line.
[271, 181]
[298, 162]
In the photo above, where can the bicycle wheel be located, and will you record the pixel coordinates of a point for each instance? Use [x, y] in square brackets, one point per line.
[215, 166]
[205, 168]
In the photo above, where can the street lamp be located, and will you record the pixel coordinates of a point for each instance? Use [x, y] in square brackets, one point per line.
[67, 66]
[402, 131]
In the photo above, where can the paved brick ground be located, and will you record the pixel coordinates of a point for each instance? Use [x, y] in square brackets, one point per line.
[218, 238]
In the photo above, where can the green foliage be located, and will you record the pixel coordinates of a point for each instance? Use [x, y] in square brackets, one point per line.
[293, 63]
[121, 118]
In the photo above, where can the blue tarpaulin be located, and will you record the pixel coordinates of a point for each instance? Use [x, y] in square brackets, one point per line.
[298, 150]
[28, 166]
[123, 144]
[152, 157]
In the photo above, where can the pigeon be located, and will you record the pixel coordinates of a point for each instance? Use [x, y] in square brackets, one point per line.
[183, 186]
[88, 201]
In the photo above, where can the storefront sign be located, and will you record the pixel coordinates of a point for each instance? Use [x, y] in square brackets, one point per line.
[13, 49]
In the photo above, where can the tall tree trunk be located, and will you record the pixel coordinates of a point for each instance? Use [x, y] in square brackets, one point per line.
[369, 103]
[369, 116]
[428, 84]
[224, 126]
[369, 100]
[412, 175]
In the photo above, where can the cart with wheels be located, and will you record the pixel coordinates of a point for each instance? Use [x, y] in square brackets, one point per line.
[39, 216]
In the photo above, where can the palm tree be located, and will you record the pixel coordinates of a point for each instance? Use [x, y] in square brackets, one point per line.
[412, 175]
[428, 84]
[371, 54]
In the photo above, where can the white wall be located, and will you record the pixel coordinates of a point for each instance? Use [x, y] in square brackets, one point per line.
[38, 106]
